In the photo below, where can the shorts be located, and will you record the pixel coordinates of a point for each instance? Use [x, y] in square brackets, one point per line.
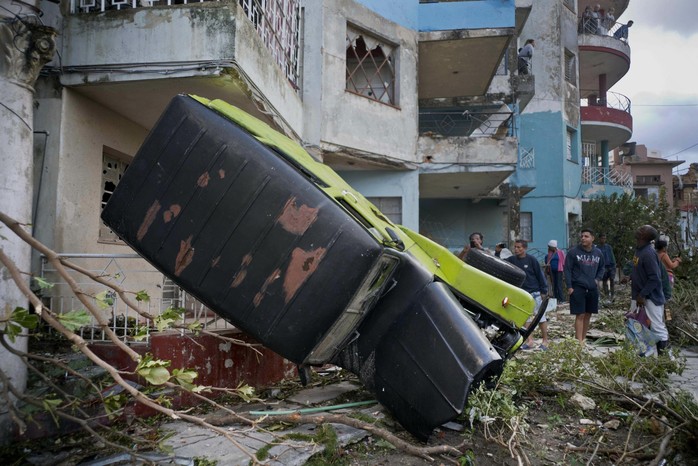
[539, 301]
[583, 301]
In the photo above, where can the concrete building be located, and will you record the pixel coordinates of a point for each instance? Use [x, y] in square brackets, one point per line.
[686, 201]
[651, 174]
[415, 104]
[573, 121]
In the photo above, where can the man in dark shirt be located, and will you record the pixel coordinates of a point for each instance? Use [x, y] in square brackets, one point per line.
[609, 260]
[584, 268]
[646, 286]
[535, 283]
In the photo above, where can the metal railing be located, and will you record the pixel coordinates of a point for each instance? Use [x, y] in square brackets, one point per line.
[278, 23]
[527, 157]
[124, 270]
[601, 27]
[606, 176]
[612, 100]
[465, 123]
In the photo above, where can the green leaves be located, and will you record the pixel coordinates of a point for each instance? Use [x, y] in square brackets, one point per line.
[42, 284]
[105, 299]
[156, 373]
[142, 296]
[167, 318]
[185, 378]
[74, 320]
[153, 370]
[20, 318]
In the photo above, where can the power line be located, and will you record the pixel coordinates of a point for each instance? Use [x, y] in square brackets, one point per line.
[682, 150]
[665, 105]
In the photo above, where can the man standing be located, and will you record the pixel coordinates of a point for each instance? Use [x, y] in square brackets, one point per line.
[554, 264]
[646, 287]
[535, 283]
[622, 32]
[584, 268]
[609, 260]
[524, 57]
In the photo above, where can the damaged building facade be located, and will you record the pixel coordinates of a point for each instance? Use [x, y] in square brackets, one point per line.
[415, 104]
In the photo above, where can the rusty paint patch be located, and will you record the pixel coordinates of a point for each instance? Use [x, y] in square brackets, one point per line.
[242, 272]
[203, 180]
[148, 220]
[185, 256]
[172, 212]
[300, 267]
[221, 173]
[295, 219]
[275, 275]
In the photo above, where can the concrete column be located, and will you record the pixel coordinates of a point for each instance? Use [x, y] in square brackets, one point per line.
[604, 160]
[25, 47]
[602, 90]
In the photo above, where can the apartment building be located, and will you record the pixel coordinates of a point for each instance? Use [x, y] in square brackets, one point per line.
[574, 120]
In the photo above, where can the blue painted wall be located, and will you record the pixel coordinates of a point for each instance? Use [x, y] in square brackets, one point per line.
[450, 222]
[402, 12]
[404, 184]
[557, 179]
[467, 15]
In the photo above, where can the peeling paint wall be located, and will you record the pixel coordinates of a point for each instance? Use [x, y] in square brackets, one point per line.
[357, 122]
[546, 120]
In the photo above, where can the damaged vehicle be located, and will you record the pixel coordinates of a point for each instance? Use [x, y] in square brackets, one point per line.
[279, 245]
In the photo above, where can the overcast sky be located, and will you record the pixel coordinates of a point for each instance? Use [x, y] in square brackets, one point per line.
[662, 83]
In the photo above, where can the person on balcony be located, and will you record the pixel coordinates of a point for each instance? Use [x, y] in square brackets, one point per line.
[596, 16]
[622, 32]
[588, 23]
[609, 20]
[525, 55]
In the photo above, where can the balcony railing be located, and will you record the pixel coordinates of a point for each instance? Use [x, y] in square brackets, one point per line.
[606, 176]
[600, 27]
[277, 22]
[612, 100]
[527, 157]
[123, 320]
[467, 123]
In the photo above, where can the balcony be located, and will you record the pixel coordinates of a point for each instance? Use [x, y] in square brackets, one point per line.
[606, 118]
[603, 59]
[466, 154]
[133, 56]
[461, 44]
[599, 181]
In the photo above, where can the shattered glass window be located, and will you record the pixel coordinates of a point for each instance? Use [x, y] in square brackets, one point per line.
[370, 67]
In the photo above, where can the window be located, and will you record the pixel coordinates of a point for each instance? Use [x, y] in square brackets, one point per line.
[390, 206]
[370, 67]
[114, 164]
[648, 179]
[570, 67]
[571, 146]
[526, 226]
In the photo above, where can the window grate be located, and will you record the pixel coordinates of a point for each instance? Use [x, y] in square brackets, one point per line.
[370, 68]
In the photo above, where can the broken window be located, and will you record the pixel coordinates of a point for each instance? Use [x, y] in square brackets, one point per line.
[370, 67]
[113, 167]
